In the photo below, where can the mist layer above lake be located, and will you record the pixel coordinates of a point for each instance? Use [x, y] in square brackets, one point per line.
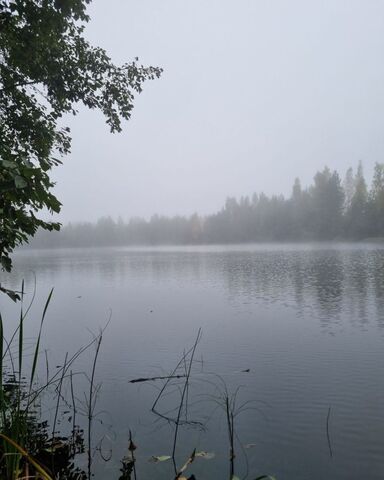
[306, 320]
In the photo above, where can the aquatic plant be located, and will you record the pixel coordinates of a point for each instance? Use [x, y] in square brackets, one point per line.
[29, 448]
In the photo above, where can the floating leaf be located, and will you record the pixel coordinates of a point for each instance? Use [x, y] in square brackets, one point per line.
[206, 455]
[265, 477]
[54, 447]
[250, 445]
[159, 458]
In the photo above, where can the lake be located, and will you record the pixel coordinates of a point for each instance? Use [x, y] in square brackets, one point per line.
[297, 330]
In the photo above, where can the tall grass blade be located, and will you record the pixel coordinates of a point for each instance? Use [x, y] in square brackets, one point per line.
[21, 333]
[2, 406]
[1, 352]
[91, 402]
[36, 354]
[28, 457]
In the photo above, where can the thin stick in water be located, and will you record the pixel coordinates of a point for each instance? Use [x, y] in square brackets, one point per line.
[328, 436]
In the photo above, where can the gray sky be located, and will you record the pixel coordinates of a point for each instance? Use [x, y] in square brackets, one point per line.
[253, 94]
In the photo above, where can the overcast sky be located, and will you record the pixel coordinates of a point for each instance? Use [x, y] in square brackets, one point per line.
[253, 94]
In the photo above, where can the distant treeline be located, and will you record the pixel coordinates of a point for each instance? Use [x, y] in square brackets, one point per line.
[329, 209]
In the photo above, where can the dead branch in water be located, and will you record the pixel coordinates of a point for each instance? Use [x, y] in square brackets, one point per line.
[150, 379]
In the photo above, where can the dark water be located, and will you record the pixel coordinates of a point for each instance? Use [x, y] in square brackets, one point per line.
[307, 321]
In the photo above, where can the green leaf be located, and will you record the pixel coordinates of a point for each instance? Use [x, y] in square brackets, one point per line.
[9, 164]
[42, 43]
[20, 182]
[13, 295]
[6, 263]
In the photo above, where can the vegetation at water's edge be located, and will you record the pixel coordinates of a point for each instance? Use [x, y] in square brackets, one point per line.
[29, 447]
[48, 68]
[327, 210]
[33, 448]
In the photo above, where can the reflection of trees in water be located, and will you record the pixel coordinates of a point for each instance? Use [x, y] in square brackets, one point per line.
[27, 267]
[298, 280]
[378, 281]
[332, 283]
[359, 275]
[303, 280]
[327, 274]
[256, 276]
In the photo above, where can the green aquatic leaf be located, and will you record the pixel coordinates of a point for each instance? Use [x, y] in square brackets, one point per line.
[206, 455]
[159, 458]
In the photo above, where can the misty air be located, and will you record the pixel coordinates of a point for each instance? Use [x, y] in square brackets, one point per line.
[191, 240]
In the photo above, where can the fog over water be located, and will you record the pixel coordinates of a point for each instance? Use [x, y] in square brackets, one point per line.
[253, 94]
[227, 206]
[306, 320]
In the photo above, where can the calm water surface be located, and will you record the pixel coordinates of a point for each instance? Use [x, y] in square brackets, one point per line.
[306, 320]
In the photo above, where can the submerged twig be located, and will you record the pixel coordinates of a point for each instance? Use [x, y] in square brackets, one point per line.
[150, 379]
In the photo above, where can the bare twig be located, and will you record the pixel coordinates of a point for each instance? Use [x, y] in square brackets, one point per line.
[328, 436]
[150, 379]
[91, 403]
[177, 423]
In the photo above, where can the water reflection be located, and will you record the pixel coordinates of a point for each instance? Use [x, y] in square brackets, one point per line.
[304, 319]
[333, 283]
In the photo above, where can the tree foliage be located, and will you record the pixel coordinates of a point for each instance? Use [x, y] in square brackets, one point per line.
[325, 210]
[47, 68]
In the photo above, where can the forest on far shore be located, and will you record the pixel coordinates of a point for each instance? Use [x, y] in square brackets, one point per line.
[329, 209]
